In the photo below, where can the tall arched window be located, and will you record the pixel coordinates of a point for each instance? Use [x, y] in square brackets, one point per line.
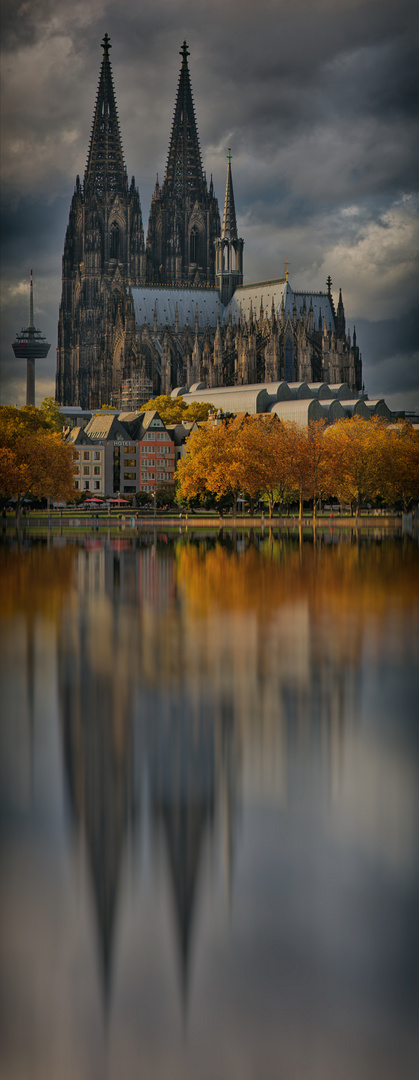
[114, 245]
[193, 245]
[289, 366]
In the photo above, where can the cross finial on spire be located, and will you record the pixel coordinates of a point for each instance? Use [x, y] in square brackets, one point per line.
[329, 284]
[106, 44]
[286, 264]
[229, 156]
[184, 52]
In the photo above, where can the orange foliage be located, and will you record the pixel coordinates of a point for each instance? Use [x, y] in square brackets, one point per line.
[35, 582]
[33, 458]
[342, 579]
[353, 460]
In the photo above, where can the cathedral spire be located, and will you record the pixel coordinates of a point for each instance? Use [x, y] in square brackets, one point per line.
[184, 218]
[105, 170]
[229, 216]
[184, 175]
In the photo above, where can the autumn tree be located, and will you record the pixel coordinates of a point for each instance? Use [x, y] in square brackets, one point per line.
[400, 465]
[210, 464]
[355, 450]
[176, 410]
[34, 459]
[309, 473]
[258, 458]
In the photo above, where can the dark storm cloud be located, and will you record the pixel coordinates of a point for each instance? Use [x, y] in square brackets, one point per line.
[318, 101]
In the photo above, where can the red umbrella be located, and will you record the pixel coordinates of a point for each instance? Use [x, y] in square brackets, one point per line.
[125, 501]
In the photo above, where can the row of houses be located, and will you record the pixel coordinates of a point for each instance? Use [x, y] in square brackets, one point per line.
[123, 454]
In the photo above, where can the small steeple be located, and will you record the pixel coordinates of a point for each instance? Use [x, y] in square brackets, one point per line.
[105, 170]
[229, 230]
[228, 246]
[340, 318]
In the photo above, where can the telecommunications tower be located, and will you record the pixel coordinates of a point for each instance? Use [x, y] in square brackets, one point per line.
[30, 346]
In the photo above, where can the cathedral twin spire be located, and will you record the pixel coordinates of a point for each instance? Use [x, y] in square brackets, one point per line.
[184, 174]
[184, 220]
[105, 254]
[105, 170]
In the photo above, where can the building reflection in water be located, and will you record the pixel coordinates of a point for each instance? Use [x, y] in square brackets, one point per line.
[222, 668]
[198, 679]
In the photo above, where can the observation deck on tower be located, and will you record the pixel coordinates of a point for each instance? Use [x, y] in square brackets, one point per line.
[30, 346]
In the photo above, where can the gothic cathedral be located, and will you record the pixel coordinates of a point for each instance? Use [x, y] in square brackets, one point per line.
[140, 318]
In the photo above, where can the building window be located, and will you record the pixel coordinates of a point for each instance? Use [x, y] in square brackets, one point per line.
[130, 461]
[76, 455]
[86, 470]
[114, 246]
[76, 470]
[96, 455]
[86, 455]
[97, 485]
[289, 367]
[96, 470]
[193, 245]
[86, 485]
[129, 475]
[150, 436]
[76, 484]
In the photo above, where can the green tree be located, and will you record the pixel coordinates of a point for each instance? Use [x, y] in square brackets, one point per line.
[50, 410]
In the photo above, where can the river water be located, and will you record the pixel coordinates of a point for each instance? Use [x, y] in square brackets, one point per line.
[209, 784]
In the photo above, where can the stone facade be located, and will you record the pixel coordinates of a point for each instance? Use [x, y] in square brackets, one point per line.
[139, 319]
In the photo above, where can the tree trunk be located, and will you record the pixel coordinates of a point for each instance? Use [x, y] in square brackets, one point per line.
[300, 511]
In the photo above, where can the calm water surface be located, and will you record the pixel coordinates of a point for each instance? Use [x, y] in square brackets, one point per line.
[209, 766]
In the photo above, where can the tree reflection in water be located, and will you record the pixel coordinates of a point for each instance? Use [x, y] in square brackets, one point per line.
[201, 684]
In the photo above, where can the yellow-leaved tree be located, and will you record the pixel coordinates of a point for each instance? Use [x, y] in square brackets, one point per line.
[400, 479]
[355, 449]
[34, 459]
[176, 410]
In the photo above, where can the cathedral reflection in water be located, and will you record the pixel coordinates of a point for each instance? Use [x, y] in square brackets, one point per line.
[168, 714]
[208, 807]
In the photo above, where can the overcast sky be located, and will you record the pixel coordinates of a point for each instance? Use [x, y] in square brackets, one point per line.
[318, 100]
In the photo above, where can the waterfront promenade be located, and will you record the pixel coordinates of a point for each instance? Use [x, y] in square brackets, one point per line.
[68, 521]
